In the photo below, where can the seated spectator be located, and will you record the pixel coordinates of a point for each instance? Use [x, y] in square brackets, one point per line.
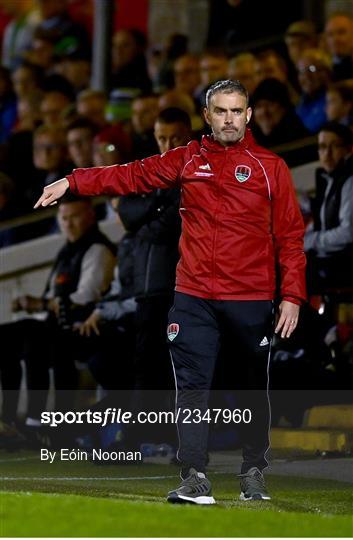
[80, 275]
[8, 111]
[271, 65]
[339, 103]
[338, 34]
[18, 32]
[53, 106]
[314, 75]
[180, 100]
[91, 104]
[80, 134]
[329, 237]
[63, 31]
[299, 36]
[213, 67]
[242, 68]
[129, 67]
[41, 53]
[75, 66]
[111, 146]
[27, 80]
[187, 74]
[275, 120]
[144, 111]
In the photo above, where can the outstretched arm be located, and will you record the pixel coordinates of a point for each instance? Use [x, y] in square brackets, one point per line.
[135, 177]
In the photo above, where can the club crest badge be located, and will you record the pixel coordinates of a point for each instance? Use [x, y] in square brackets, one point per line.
[172, 331]
[242, 173]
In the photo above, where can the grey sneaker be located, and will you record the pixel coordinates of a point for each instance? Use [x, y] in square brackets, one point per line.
[252, 485]
[195, 489]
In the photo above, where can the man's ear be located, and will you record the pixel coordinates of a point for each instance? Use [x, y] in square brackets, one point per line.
[248, 114]
[206, 116]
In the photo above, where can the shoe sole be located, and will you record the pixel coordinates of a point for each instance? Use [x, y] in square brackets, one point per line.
[255, 497]
[174, 498]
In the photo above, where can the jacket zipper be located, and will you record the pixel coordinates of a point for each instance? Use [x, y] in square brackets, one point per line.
[213, 279]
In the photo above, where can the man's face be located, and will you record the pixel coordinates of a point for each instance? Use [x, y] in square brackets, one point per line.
[75, 218]
[80, 146]
[312, 75]
[339, 35]
[92, 108]
[143, 114]
[243, 71]
[228, 115]
[331, 150]
[52, 108]
[49, 152]
[186, 74]
[212, 68]
[169, 136]
[268, 115]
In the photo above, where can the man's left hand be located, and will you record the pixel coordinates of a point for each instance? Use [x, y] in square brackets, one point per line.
[288, 318]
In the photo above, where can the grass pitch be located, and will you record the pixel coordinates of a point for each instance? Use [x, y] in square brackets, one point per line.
[81, 499]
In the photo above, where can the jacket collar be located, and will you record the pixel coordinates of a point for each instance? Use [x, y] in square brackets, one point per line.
[211, 145]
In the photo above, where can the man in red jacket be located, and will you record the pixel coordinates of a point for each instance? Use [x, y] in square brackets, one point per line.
[240, 219]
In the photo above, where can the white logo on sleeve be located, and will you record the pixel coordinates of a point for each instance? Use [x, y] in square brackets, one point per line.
[264, 342]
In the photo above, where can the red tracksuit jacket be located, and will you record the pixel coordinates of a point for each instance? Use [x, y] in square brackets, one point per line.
[240, 216]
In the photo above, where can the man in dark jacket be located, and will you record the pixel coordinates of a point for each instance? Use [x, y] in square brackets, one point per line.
[155, 221]
[81, 273]
[239, 217]
[329, 236]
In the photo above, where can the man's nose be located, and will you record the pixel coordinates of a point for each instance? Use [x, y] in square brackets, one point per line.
[228, 117]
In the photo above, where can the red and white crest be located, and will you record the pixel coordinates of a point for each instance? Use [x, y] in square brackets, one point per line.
[242, 173]
[172, 331]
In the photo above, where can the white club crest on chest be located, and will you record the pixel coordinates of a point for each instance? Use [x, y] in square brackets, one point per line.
[242, 173]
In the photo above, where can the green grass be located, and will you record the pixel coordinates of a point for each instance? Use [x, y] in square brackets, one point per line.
[99, 504]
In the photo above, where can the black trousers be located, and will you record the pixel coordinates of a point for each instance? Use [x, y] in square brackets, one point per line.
[196, 330]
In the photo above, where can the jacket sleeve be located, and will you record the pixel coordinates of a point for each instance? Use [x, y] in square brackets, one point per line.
[288, 235]
[159, 171]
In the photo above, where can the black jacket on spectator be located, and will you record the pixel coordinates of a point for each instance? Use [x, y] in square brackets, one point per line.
[155, 220]
[67, 268]
[289, 129]
[333, 201]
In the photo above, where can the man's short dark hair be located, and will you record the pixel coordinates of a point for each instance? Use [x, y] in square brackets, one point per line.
[342, 131]
[226, 87]
[173, 115]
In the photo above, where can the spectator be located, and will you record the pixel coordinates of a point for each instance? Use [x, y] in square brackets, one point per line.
[275, 121]
[75, 66]
[8, 111]
[339, 103]
[187, 74]
[161, 60]
[314, 74]
[129, 67]
[111, 145]
[181, 100]
[18, 33]
[213, 67]
[144, 111]
[49, 157]
[329, 237]
[53, 106]
[27, 80]
[81, 273]
[41, 53]
[242, 68]
[271, 65]
[80, 134]
[65, 33]
[299, 36]
[91, 104]
[339, 42]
